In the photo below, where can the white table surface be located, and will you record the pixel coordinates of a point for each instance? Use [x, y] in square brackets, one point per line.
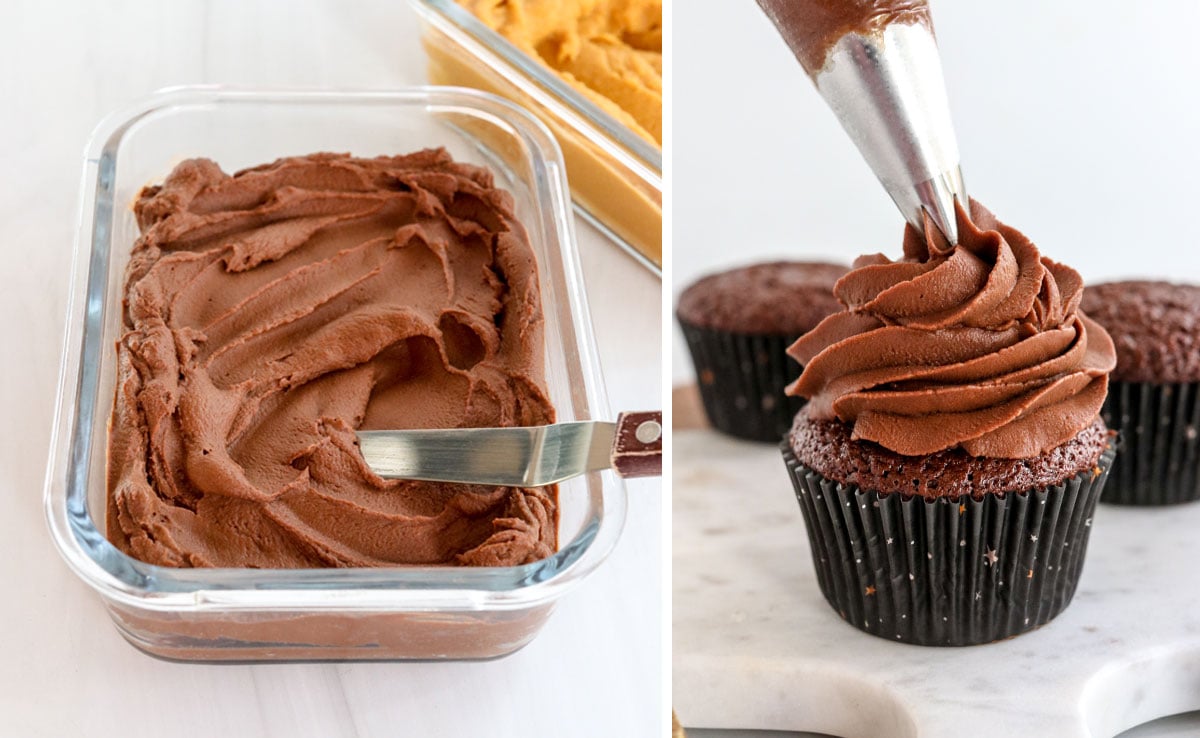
[595, 668]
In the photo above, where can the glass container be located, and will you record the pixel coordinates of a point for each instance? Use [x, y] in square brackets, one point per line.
[615, 174]
[375, 613]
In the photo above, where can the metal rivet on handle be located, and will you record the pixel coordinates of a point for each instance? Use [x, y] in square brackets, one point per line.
[648, 431]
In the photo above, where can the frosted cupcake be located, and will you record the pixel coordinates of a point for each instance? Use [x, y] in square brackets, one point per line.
[951, 453]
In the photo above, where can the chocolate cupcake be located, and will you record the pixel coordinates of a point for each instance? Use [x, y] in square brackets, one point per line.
[738, 325]
[1154, 396]
[951, 453]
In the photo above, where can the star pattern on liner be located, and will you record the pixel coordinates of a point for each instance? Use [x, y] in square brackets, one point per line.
[1027, 621]
[1087, 523]
[978, 596]
[991, 556]
[962, 509]
[870, 591]
[889, 541]
[1033, 537]
[1029, 574]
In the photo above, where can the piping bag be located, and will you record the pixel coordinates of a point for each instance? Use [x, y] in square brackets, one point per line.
[876, 64]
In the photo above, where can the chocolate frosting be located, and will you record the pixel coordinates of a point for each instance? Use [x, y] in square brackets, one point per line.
[979, 346]
[271, 313]
[812, 27]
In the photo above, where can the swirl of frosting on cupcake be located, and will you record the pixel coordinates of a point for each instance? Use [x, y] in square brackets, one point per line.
[979, 345]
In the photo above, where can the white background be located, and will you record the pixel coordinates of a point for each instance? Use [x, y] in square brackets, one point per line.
[595, 668]
[1078, 122]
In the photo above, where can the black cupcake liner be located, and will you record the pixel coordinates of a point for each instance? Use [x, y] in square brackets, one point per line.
[947, 572]
[1160, 448]
[742, 378]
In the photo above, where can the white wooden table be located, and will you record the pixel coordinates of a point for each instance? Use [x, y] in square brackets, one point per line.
[593, 671]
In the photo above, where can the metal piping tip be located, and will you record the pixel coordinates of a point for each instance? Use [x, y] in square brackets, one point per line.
[935, 198]
[887, 91]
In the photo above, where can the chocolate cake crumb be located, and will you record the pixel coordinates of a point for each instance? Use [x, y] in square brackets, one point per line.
[826, 446]
[1154, 325]
[782, 297]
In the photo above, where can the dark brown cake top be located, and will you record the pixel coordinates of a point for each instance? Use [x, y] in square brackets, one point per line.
[826, 446]
[1155, 326]
[779, 297]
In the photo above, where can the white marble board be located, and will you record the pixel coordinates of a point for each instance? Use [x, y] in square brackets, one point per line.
[756, 645]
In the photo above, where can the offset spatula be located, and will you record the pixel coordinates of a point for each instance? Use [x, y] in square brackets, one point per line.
[518, 457]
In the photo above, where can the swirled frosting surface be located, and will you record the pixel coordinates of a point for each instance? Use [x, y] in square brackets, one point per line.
[271, 313]
[979, 346]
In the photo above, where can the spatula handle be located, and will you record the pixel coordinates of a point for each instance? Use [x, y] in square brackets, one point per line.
[637, 448]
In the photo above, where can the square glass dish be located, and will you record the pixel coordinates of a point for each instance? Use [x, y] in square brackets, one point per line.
[616, 175]
[367, 613]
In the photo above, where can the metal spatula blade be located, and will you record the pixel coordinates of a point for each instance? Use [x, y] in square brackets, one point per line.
[518, 457]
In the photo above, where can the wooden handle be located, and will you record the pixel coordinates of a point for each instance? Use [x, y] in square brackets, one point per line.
[637, 449]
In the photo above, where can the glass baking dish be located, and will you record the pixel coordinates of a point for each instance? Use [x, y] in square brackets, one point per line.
[616, 175]
[253, 614]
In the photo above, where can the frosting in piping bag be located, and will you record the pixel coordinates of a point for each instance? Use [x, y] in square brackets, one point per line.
[979, 346]
[812, 28]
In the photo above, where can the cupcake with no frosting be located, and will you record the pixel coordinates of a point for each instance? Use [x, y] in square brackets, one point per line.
[1154, 397]
[951, 452]
[738, 325]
